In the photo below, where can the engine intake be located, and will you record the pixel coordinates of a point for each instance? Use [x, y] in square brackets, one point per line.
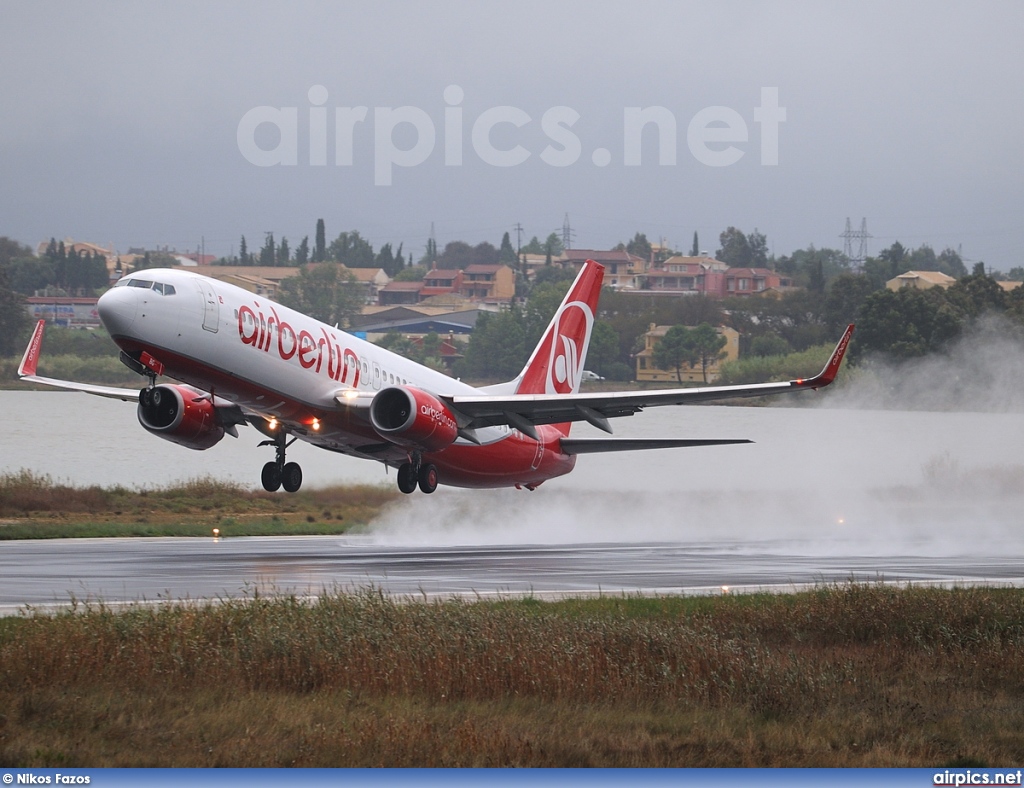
[180, 415]
[413, 418]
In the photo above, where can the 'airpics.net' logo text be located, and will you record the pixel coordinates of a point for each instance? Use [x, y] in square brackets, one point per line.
[713, 135]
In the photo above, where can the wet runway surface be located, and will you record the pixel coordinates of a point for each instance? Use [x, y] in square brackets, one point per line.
[823, 495]
[46, 572]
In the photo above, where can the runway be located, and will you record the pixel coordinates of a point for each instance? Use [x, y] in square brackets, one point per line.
[53, 572]
[924, 497]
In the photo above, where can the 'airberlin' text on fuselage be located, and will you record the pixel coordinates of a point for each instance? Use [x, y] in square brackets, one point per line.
[265, 332]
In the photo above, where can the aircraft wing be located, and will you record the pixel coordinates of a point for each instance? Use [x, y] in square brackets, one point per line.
[128, 395]
[30, 361]
[229, 413]
[525, 411]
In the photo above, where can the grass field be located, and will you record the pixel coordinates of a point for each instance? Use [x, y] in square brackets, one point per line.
[854, 675]
[36, 507]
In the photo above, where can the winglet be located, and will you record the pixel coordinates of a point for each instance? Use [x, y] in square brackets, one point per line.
[828, 374]
[30, 360]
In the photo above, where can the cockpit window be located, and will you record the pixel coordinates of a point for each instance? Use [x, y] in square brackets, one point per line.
[158, 287]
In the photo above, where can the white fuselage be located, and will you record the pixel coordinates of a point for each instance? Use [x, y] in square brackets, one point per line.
[281, 364]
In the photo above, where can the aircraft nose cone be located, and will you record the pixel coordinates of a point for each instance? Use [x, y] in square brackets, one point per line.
[117, 308]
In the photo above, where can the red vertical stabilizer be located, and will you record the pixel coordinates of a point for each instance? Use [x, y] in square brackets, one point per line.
[556, 365]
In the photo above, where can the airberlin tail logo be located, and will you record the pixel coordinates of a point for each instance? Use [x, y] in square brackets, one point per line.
[570, 338]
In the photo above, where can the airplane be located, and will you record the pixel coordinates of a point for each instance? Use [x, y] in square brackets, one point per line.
[242, 359]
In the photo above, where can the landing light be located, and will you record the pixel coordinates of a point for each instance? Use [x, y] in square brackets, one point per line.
[351, 394]
[316, 425]
[273, 424]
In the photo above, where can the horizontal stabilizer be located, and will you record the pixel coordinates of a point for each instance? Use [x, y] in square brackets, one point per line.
[597, 445]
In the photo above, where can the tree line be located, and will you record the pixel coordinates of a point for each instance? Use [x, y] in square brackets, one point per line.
[829, 294]
[60, 270]
[350, 249]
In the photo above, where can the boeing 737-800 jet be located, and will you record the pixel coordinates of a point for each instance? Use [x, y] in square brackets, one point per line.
[242, 359]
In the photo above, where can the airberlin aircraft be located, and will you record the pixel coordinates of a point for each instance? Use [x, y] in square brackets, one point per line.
[241, 359]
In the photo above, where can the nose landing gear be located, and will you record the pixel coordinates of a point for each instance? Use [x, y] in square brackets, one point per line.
[278, 473]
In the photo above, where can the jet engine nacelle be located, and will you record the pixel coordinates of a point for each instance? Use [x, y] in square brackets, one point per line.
[413, 418]
[180, 415]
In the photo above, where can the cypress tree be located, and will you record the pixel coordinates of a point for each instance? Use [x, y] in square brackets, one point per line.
[302, 253]
[320, 249]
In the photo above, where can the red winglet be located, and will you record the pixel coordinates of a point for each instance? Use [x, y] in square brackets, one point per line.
[30, 360]
[828, 374]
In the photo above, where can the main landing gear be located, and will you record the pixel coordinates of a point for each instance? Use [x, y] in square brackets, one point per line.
[414, 472]
[278, 473]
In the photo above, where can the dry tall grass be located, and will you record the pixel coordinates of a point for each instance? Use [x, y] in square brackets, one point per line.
[841, 676]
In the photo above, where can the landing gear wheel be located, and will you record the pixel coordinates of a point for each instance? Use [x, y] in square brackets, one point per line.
[271, 477]
[428, 478]
[406, 477]
[277, 472]
[291, 477]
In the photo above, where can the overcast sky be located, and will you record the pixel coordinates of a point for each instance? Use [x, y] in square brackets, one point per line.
[125, 122]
